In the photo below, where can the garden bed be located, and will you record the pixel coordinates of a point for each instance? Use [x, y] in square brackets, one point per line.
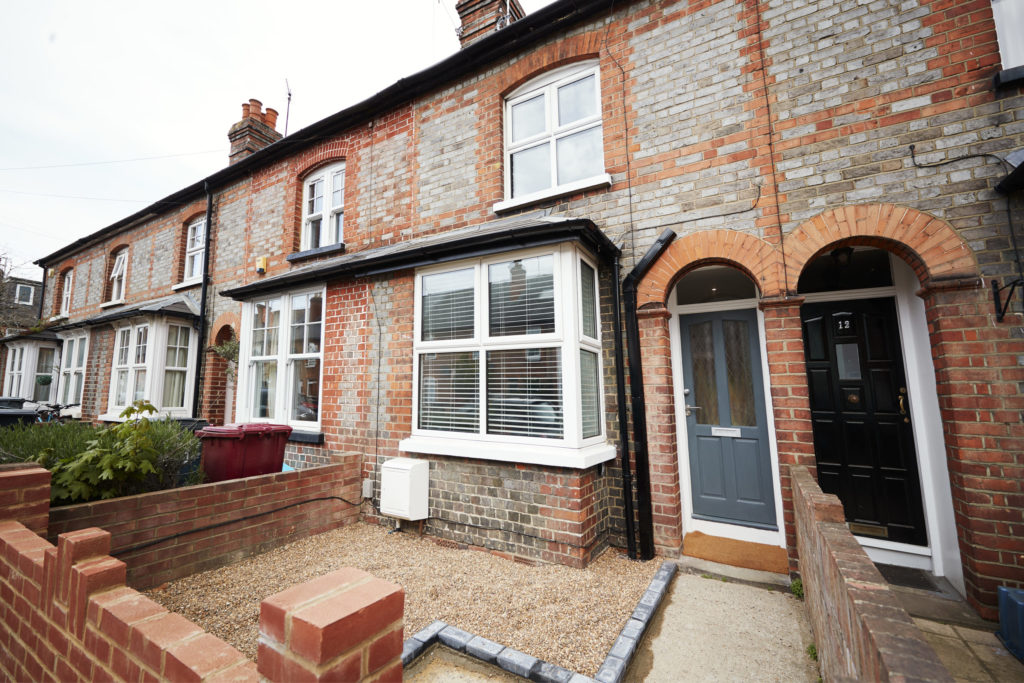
[569, 617]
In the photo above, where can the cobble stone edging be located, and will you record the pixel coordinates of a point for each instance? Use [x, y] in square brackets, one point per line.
[522, 664]
[621, 654]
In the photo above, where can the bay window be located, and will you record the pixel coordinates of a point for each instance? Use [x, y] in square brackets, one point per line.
[72, 368]
[507, 360]
[151, 362]
[29, 372]
[15, 370]
[282, 353]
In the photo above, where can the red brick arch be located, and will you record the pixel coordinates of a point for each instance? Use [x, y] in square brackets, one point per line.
[931, 246]
[747, 252]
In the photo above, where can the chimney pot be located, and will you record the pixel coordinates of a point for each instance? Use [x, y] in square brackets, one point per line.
[256, 109]
[254, 132]
[245, 111]
[270, 118]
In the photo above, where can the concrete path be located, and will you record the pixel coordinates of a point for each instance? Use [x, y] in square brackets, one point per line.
[722, 630]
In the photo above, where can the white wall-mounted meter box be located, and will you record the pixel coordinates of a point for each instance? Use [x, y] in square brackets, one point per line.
[404, 488]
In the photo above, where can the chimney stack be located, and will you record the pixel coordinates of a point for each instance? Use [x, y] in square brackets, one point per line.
[255, 131]
[480, 18]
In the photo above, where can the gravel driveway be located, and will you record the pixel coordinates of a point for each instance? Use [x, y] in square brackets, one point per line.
[565, 616]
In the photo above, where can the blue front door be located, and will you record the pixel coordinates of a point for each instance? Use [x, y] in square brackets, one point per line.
[726, 423]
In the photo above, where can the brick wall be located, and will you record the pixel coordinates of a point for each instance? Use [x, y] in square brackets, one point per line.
[66, 614]
[860, 630]
[136, 520]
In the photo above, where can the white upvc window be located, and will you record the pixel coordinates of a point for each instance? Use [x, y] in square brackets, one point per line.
[554, 141]
[507, 361]
[65, 292]
[117, 275]
[323, 207]
[1009, 20]
[15, 370]
[282, 353]
[195, 248]
[23, 294]
[72, 369]
[152, 362]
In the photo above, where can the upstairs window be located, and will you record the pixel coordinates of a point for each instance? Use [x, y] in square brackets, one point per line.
[23, 294]
[66, 283]
[554, 140]
[117, 275]
[323, 207]
[195, 249]
[1009, 19]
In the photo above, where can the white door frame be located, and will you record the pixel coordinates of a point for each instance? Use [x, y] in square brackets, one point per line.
[942, 554]
[721, 529]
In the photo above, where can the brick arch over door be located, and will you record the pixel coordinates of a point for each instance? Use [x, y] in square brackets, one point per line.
[929, 245]
[754, 256]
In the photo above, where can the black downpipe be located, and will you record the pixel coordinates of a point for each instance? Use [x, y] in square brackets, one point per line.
[636, 388]
[42, 295]
[201, 350]
[620, 389]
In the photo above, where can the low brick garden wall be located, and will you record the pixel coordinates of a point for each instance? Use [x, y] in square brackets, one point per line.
[66, 614]
[185, 516]
[860, 630]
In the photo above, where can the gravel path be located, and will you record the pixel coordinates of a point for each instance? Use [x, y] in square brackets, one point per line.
[565, 616]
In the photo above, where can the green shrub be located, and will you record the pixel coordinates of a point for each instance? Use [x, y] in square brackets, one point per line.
[796, 587]
[44, 443]
[90, 463]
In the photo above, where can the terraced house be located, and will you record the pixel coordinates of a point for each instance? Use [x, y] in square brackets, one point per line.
[612, 269]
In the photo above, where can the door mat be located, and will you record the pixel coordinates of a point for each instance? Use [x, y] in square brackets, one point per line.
[765, 558]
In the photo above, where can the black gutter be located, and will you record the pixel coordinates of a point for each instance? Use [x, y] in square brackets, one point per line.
[201, 350]
[473, 245]
[516, 36]
[636, 387]
[620, 393]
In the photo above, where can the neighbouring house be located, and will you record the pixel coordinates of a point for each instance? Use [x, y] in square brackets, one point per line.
[20, 303]
[747, 235]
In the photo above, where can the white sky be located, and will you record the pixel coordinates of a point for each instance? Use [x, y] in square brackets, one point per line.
[89, 82]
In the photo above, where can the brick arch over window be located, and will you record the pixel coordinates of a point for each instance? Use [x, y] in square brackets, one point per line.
[574, 49]
[758, 259]
[929, 245]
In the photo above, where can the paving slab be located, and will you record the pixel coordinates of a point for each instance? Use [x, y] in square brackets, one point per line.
[708, 629]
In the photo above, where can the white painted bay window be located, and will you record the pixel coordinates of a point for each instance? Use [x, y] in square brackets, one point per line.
[29, 371]
[15, 370]
[282, 353]
[507, 360]
[152, 361]
[72, 369]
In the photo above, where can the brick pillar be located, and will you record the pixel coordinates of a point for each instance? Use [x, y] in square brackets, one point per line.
[344, 626]
[979, 366]
[790, 400]
[25, 496]
[662, 453]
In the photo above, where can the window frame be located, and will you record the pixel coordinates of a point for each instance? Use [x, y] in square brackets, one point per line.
[329, 211]
[118, 276]
[284, 359]
[17, 294]
[572, 449]
[153, 333]
[195, 250]
[14, 372]
[67, 285]
[547, 85]
[69, 368]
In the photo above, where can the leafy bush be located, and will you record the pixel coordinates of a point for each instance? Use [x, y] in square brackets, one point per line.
[796, 587]
[89, 463]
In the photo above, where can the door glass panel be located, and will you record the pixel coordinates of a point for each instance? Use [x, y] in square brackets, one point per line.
[848, 361]
[738, 373]
[705, 390]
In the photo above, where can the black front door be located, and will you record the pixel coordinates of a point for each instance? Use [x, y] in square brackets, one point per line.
[863, 442]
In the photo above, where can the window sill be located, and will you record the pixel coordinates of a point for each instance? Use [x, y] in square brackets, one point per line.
[533, 454]
[306, 437]
[603, 180]
[338, 248]
[111, 304]
[59, 316]
[186, 285]
[1009, 77]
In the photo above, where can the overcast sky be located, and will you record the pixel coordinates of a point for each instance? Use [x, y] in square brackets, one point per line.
[88, 86]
